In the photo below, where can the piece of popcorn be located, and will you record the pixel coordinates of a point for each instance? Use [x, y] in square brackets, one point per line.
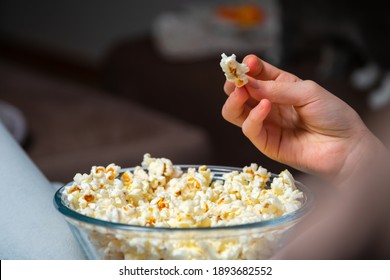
[159, 194]
[235, 72]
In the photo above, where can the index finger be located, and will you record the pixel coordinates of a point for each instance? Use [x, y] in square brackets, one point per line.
[261, 70]
[229, 87]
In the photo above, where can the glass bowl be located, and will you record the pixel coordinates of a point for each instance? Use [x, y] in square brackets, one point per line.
[109, 240]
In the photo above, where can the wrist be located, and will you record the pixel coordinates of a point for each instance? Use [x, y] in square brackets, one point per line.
[367, 157]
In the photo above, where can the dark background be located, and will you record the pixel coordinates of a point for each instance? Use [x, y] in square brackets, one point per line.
[108, 47]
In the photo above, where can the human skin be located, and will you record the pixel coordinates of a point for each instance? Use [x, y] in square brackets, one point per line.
[301, 124]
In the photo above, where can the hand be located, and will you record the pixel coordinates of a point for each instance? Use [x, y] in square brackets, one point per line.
[297, 122]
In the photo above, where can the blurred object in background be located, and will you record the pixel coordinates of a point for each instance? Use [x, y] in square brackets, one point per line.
[379, 97]
[14, 121]
[73, 127]
[350, 41]
[207, 30]
[366, 77]
[242, 15]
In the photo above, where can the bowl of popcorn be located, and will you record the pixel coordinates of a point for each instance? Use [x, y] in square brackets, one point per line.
[159, 210]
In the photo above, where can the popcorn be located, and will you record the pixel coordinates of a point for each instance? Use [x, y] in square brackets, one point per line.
[159, 194]
[234, 71]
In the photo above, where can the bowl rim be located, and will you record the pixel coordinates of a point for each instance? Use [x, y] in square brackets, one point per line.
[284, 219]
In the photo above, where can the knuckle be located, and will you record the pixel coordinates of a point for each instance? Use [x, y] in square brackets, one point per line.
[309, 85]
[225, 113]
[246, 129]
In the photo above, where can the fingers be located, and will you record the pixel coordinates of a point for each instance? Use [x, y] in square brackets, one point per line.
[235, 109]
[261, 70]
[252, 127]
[229, 87]
[285, 93]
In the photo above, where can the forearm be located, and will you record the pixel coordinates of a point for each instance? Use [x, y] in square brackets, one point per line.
[352, 222]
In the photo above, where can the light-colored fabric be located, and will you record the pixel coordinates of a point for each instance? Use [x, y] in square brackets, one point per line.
[31, 228]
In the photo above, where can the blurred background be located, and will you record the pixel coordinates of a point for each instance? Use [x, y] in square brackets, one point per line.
[91, 82]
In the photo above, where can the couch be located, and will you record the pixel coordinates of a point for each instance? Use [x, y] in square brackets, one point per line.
[72, 127]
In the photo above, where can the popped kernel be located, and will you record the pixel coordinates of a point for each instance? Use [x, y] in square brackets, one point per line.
[159, 194]
[233, 70]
